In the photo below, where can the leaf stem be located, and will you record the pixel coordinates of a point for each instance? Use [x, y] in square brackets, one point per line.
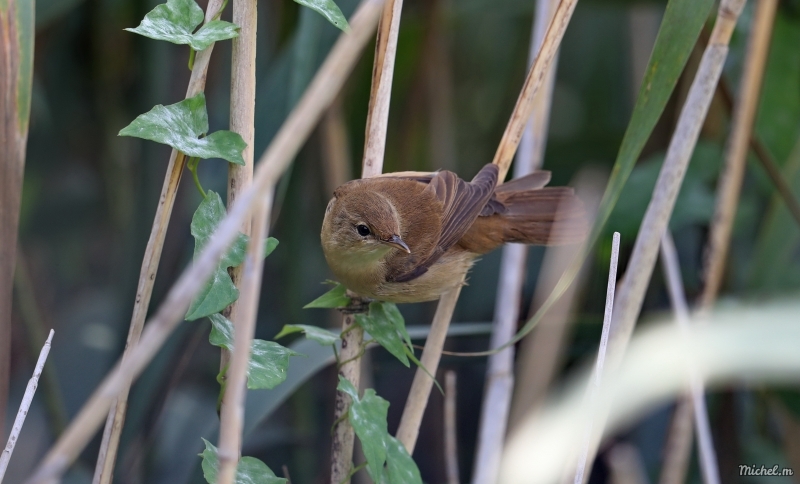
[192, 166]
[192, 53]
[353, 472]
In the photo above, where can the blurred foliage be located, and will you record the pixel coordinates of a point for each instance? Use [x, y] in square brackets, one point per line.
[89, 198]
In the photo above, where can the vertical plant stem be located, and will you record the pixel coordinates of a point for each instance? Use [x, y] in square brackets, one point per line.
[450, 426]
[293, 133]
[16, 73]
[695, 401]
[374, 148]
[421, 386]
[231, 421]
[242, 120]
[645, 250]
[730, 182]
[24, 406]
[106, 459]
[500, 368]
[589, 447]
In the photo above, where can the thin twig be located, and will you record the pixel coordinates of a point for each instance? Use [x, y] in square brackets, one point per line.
[450, 434]
[106, 459]
[417, 400]
[242, 119]
[708, 457]
[24, 406]
[374, 148]
[589, 443]
[284, 147]
[500, 367]
[730, 182]
[648, 240]
[230, 435]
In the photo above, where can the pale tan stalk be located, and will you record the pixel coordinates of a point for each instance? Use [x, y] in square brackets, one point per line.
[421, 386]
[499, 386]
[645, 251]
[273, 163]
[374, 147]
[335, 147]
[450, 434]
[730, 182]
[24, 406]
[680, 437]
[107, 456]
[626, 466]
[534, 82]
[232, 418]
[242, 120]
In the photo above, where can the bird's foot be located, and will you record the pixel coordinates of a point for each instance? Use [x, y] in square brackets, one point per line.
[358, 304]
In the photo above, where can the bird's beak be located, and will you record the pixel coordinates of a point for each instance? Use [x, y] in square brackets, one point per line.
[397, 242]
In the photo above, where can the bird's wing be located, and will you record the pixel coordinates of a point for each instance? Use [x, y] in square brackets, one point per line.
[462, 203]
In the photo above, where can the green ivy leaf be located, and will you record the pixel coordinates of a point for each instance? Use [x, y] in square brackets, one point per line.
[329, 10]
[268, 360]
[368, 418]
[249, 470]
[175, 21]
[219, 291]
[335, 298]
[401, 467]
[383, 326]
[320, 335]
[180, 125]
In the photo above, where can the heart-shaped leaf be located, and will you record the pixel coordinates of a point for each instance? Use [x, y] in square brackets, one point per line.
[175, 21]
[368, 418]
[249, 470]
[269, 361]
[180, 125]
[219, 291]
[401, 467]
[383, 326]
[320, 335]
[329, 10]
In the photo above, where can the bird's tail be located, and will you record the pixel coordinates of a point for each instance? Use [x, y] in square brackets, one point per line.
[541, 216]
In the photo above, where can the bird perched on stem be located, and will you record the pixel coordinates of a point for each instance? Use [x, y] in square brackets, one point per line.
[410, 237]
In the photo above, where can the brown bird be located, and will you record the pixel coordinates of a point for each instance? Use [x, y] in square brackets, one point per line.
[410, 237]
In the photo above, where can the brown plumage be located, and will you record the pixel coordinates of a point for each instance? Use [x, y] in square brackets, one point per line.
[409, 237]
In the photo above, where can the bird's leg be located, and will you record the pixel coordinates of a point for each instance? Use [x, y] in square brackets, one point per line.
[358, 304]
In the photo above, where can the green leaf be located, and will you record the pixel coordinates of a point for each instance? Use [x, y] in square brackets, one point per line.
[320, 335]
[329, 10]
[268, 364]
[401, 467]
[269, 360]
[175, 21]
[249, 470]
[368, 418]
[335, 298]
[219, 291]
[180, 125]
[382, 325]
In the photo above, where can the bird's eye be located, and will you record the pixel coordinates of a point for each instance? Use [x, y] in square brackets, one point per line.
[363, 230]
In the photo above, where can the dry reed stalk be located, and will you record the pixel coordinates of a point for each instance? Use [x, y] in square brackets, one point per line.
[500, 367]
[730, 183]
[590, 442]
[648, 240]
[374, 147]
[242, 120]
[421, 386]
[450, 435]
[24, 406]
[677, 458]
[335, 147]
[107, 456]
[293, 133]
[626, 466]
[232, 420]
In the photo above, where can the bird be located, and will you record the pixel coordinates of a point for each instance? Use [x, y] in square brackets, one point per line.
[411, 236]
